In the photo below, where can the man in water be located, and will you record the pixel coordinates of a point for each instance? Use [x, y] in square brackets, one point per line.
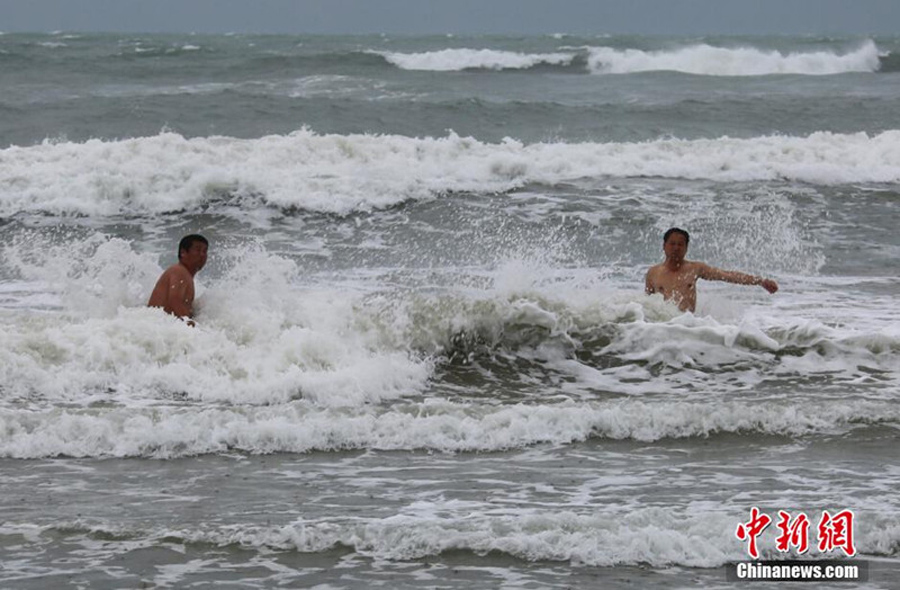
[174, 291]
[676, 278]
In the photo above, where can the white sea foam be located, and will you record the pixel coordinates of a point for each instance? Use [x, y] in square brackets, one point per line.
[167, 431]
[721, 61]
[462, 59]
[342, 174]
[655, 536]
[274, 368]
[266, 337]
[93, 275]
[703, 341]
[262, 338]
[246, 354]
[337, 86]
[279, 365]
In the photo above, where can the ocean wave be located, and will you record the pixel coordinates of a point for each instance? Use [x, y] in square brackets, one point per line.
[266, 337]
[655, 536]
[452, 60]
[707, 60]
[167, 431]
[153, 357]
[173, 50]
[700, 59]
[348, 173]
[278, 345]
[627, 328]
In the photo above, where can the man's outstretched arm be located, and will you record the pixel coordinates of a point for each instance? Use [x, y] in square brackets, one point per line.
[712, 273]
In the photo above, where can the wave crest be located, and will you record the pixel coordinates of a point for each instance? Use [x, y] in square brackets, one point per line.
[170, 432]
[452, 60]
[343, 174]
[707, 60]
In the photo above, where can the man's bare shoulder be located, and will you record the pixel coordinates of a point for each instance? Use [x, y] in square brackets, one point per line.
[693, 267]
[655, 269]
[686, 267]
[177, 272]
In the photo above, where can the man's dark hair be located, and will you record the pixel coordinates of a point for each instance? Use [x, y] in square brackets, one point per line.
[188, 241]
[676, 230]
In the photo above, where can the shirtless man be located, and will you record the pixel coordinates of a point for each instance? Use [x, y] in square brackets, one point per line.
[174, 291]
[676, 278]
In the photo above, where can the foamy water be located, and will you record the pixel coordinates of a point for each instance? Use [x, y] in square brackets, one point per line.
[449, 60]
[701, 59]
[707, 60]
[344, 174]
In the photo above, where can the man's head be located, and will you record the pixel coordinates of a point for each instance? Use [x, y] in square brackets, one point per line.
[675, 243]
[192, 252]
[676, 230]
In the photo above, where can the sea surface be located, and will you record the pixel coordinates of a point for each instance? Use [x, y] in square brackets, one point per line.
[423, 355]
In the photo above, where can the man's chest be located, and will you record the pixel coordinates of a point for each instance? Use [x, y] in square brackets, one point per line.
[677, 280]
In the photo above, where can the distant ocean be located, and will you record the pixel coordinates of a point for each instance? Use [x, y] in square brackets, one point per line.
[423, 357]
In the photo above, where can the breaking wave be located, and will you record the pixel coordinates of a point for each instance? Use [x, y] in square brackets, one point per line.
[348, 173]
[707, 60]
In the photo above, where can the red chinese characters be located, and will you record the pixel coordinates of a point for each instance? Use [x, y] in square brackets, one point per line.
[794, 533]
[834, 532]
[751, 530]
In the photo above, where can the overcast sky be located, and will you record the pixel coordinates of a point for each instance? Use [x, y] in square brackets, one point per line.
[857, 17]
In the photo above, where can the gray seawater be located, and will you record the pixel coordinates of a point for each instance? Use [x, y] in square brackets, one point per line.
[423, 355]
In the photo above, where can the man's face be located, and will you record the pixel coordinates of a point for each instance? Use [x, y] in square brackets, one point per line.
[675, 247]
[195, 256]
